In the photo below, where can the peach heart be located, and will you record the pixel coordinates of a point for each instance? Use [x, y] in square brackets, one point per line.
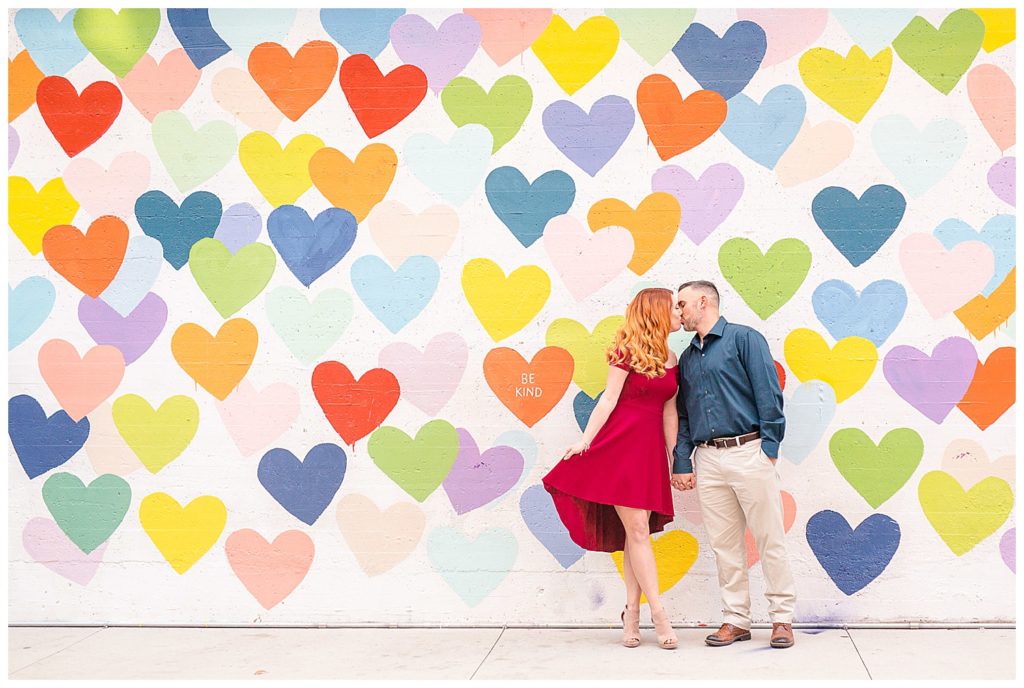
[154, 87]
[106, 448]
[817, 150]
[80, 384]
[269, 570]
[400, 233]
[968, 462]
[111, 191]
[507, 33]
[994, 97]
[238, 93]
[379, 539]
[788, 517]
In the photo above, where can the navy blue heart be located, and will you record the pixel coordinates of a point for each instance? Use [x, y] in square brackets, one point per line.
[195, 33]
[852, 558]
[873, 315]
[304, 488]
[725, 64]
[858, 227]
[43, 443]
[177, 228]
[582, 407]
[311, 247]
[526, 208]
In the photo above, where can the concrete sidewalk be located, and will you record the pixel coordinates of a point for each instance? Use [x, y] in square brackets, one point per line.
[276, 653]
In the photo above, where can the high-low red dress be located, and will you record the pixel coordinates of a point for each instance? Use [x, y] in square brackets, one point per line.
[626, 465]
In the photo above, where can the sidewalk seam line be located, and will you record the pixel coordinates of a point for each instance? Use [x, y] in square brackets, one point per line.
[859, 656]
[493, 645]
[52, 654]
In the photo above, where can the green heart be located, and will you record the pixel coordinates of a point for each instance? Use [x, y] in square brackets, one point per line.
[419, 465]
[941, 56]
[308, 329]
[588, 350]
[877, 472]
[231, 281]
[192, 156]
[157, 437]
[502, 111]
[651, 33]
[964, 518]
[765, 281]
[117, 39]
[87, 515]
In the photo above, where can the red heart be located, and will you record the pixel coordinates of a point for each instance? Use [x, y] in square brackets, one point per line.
[380, 102]
[782, 375]
[89, 261]
[354, 407]
[77, 121]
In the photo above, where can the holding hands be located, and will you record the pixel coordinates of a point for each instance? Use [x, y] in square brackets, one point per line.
[683, 481]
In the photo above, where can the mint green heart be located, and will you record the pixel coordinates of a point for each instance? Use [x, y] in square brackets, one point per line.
[473, 568]
[87, 515]
[117, 39]
[231, 281]
[502, 111]
[765, 281]
[651, 33]
[419, 465]
[308, 329]
[877, 472]
[192, 156]
[941, 56]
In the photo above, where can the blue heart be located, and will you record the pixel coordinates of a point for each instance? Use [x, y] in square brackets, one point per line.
[852, 558]
[582, 407]
[43, 443]
[809, 411]
[764, 132]
[873, 315]
[1000, 233]
[858, 227]
[725, 64]
[28, 305]
[366, 31]
[311, 247]
[525, 208]
[53, 45]
[395, 297]
[304, 488]
[589, 139]
[541, 518]
[202, 44]
[178, 228]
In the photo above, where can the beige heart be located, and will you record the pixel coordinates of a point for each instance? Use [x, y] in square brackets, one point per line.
[238, 93]
[401, 233]
[107, 450]
[816, 150]
[967, 461]
[380, 540]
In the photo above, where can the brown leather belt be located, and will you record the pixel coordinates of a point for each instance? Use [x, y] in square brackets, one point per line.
[724, 442]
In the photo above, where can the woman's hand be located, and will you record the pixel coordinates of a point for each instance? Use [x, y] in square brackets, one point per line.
[577, 448]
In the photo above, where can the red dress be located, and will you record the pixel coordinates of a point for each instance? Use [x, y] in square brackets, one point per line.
[626, 465]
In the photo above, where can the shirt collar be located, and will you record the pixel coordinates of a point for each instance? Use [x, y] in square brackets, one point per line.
[718, 330]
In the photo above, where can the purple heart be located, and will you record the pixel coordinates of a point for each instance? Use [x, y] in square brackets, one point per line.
[934, 384]
[46, 543]
[542, 519]
[240, 225]
[134, 333]
[1002, 179]
[589, 140]
[1008, 548]
[441, 53]
[705, 202]
[476, 478]
[13, 144]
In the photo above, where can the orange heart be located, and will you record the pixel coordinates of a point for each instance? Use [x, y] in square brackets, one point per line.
[675, 125]
[528, 390]
[355, 186]
[89, 261]
[992, 391]
[654, 224]
[218, 363]
[788, 517]
[23, 79]
[294, 84]
[982, 315]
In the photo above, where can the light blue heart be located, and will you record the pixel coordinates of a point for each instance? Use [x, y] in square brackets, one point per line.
[472, 567]
[451, 170]
[308, 329]
[366, 31]
[999, 233]
[808, 413]
[873, 30]
[137, 275]
[28, 306]
[873, 315]
[918, 159]
[764, 132]
[522, 442]
[395, 297]
[245, 29]
[52, 44]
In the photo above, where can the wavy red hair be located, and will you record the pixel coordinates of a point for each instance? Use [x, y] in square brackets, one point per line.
[642, 341]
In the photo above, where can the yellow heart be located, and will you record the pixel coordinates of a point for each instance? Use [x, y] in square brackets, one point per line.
[849, 85]
[964, 518]
[355, 186]
[280, 175]
[587, 349]
[504, 305]
[575, 57]
[674, 554]
[31, 214]
[156, 436]
[846, 367]
[654, 225]
[183, 535]
[1000, 26]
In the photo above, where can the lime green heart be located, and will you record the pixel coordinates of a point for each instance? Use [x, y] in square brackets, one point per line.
[765, 281]
[502, 111]
[192, 156]
[651, 32]
[964, 518]
[117, 39]
[157, 437]
[418, 465]
[87, 515]
[587, 349]
[941, 56]
[308, 329]
[231, 281]
[877, 472]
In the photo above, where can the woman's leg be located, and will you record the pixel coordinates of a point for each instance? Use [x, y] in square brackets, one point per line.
[632, 585]
[641, 558]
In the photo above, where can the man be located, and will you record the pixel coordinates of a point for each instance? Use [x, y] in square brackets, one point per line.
[730, 410]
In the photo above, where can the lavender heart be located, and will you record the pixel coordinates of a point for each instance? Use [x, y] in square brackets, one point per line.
[1008, 548]
[46, 543]
[476, 479]
[589, 140]
[538, 511]
[13, 144]
[705, 202]
[134, 333]
[442, 52]
[934, 384]
[1002, 179]
[240, 225]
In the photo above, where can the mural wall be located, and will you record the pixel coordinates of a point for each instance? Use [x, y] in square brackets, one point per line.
[302, 304]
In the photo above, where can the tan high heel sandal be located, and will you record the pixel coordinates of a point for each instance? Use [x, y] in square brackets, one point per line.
[631, 632]
[667, 639]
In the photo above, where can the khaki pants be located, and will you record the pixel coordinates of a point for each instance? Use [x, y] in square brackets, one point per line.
[738, 488]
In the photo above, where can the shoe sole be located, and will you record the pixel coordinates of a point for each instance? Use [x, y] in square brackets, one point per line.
[723, 643]
[780, 646]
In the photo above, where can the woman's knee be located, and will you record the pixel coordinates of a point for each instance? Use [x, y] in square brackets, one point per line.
[638, 532]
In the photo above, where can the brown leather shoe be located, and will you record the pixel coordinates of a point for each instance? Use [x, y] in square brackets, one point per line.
[782, 635]
[727, 635]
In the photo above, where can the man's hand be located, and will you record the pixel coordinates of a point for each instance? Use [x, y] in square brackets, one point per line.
[683, 481]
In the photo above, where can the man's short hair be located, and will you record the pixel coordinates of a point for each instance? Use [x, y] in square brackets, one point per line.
[705, 287]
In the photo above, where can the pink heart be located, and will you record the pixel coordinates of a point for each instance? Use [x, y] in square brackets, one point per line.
[153, 87]
[254, 418]
[507, 33]
[270, 571]
[788, 517]
[427, 379]
[687, 505]
[994, 98]
[945, 280]
[788, 31]
[704, 202]
[80, 384]
[586, 260]
[47, 544]
[817, 150]
[110, 191]
[237, 92]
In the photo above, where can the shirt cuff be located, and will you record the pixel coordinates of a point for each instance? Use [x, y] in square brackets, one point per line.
[770, 448]
[682, 464]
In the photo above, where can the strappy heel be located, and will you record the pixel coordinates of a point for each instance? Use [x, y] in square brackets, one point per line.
[667, 639]
[631, 628]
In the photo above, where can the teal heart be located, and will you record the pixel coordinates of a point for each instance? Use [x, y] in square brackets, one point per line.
[451, 170]
[192, 156]
[651, 33]
[117, 39]
[765, 281]
[231, 281]
[87, 515]
[308, 329]
[472, 567]
[873, 30]
[502, 110]
[941, 56]
[877, 472]
[28, 306]
[918, 158]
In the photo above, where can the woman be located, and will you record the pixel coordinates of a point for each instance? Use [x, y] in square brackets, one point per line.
[611, 489]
